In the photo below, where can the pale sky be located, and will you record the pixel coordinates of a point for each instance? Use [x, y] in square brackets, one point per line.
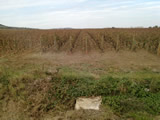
[79, 13]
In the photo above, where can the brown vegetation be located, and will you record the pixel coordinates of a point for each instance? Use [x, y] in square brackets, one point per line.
[75, 40]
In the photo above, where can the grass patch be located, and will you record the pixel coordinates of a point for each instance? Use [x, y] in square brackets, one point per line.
[124, 94]
[130, 95]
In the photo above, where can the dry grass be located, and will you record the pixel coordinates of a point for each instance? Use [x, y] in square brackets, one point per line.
[31, 68]
[122, 61]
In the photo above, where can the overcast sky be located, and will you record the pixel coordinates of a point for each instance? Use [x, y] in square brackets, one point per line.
[79, 13]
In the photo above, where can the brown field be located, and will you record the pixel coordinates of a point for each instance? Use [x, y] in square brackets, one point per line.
[79, 40]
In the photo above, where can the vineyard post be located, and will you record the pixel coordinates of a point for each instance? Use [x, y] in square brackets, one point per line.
[133, 43]
[158, 50]
[86, 45]
[41, 44]
[102, 42]
[71, 43]
[55, 43]
[117, 43]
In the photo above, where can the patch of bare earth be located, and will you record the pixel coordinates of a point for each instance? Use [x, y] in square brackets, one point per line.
[121, 61]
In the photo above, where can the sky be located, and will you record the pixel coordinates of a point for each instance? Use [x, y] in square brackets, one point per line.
[48, 14]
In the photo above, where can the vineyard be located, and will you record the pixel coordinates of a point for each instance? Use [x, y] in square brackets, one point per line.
[44, 72]
[79, 40]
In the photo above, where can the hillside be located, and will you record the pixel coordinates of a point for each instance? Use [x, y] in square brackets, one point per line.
[9, 27]
[3, 26]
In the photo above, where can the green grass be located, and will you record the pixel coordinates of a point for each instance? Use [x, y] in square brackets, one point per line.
[129, 95]
[125, 93]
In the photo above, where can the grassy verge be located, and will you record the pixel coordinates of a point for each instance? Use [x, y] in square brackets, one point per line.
[130, 95]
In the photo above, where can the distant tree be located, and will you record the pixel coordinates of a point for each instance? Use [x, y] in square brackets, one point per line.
[156, 26]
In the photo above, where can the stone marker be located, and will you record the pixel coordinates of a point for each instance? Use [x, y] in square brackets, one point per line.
[92, 103]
